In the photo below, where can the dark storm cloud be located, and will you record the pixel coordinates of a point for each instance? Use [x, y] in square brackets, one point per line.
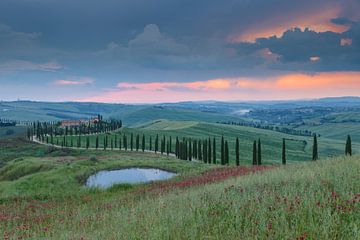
[310, 50]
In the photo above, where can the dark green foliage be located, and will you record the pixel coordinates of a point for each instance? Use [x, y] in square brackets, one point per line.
[222, 151]
[177, 147]
[150, 144]
[79, 142]
[348, 146]
[170, 144]
[157, 143]
[168, 147]
[195, 148]
[125, 142]
[254, 153]
[105, 142]
[190, 151]
[132, 142]
[205, 156]
[226, 158]
[214, 151]
[143, 143]
[137, 142]
[87, 142]
[209, 151]
[283, 152]
[259, 158]
[199, 150]
[97, 142]
[237, 152]
[315, 155]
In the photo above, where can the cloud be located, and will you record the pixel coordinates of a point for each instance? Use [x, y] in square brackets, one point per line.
[78, 81]
[315, 19]
[342, 21]
[309, 50]
[209, 85]
[20, 65]
[284, 86]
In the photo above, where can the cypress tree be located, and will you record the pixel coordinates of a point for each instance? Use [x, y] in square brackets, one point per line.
[79, 142]
[162, 145]
[125, 142]
[209, 151]
[71, 142]
[112, 144]
[137, 144]
[28, 134]
[97, 142]
[120, 143]
[222, 151]
[205, 151]
[143, 143]
[199, 150]
[226, 153]
[177, 148]
[348, 147]
[254, 154]
[214, 151]
[195, 149]
[284, 152]
[237, 151]
[105, 142]
[170, 144]
[132, 142]
[190, 151]
[150, 143]
[157, 143]
[115, 141]
[315, 155]
[87, 142]
[259, 159]
[167, 148]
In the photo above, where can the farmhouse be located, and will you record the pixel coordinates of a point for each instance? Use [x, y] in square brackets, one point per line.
[77, 122]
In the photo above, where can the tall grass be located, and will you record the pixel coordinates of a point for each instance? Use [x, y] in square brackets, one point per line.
[317, 200]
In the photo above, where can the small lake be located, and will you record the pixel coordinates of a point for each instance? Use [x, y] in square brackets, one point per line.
[105, 179]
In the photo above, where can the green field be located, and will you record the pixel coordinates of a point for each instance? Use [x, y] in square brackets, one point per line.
[43, 198]
[299, 148]
[12, 132]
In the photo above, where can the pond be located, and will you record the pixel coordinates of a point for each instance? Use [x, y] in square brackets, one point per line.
[105, 179]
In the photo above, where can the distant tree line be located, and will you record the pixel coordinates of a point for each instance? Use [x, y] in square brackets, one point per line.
[7, 123]
[291, 131]
[41, 130]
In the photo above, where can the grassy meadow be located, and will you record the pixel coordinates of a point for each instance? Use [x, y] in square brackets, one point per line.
[43, 198]
[299, 148]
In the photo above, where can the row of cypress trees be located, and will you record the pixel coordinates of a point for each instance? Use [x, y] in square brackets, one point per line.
[185, 149]
[43, 129]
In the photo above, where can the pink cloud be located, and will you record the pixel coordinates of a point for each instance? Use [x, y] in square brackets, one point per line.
[286, 86]
[209, 85]
[76, 81]
[319, 21]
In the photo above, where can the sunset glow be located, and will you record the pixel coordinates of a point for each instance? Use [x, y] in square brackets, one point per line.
[288, 86]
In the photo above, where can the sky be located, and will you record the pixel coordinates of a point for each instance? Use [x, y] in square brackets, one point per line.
[141, 51]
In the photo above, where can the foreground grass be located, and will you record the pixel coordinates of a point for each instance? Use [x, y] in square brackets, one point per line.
[317, 200]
